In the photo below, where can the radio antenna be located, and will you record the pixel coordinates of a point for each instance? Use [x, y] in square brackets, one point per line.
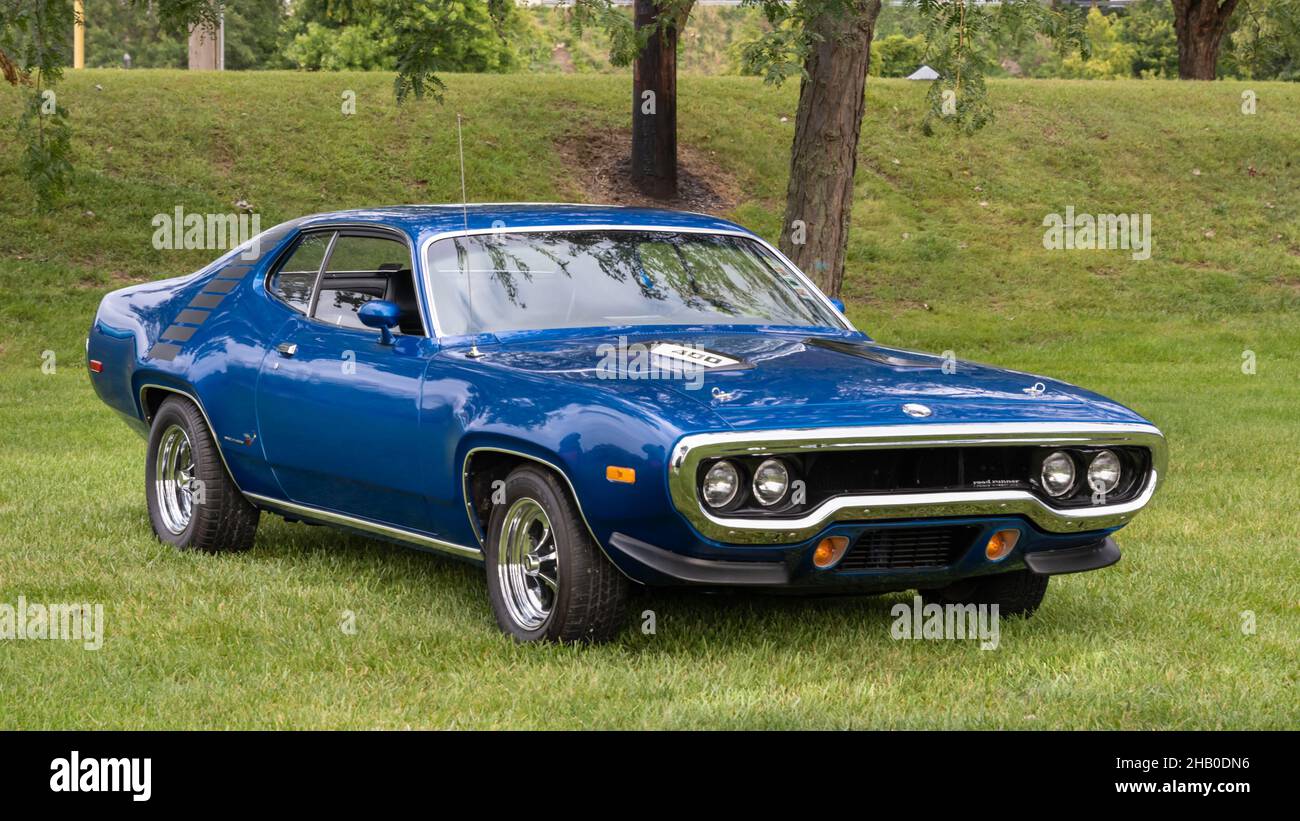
[474, 352]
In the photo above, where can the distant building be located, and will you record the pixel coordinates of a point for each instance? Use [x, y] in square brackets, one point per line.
[924, 73]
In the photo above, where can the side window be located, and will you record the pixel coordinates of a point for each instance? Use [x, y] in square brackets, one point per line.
[294, 281]
[366, 255]
[339, 306]
[362, 268]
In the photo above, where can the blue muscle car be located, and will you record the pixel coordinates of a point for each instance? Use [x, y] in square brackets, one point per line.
[583, 398]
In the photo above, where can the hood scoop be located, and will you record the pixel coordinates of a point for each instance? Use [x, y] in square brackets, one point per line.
[884, 356]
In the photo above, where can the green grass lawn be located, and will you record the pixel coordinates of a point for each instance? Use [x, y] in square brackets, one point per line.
[946, 254]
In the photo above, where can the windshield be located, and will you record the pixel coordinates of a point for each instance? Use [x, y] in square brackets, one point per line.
[576, 279]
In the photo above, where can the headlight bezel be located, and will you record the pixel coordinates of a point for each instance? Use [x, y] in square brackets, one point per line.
[757, 474]
[1119, 472]
[1134, 465]
[1069, 459]
[746, 502]
[737, 488]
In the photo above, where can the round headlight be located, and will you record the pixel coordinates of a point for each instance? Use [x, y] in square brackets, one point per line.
[721, 484]
[1103, 473]
[770, 482]
[1058, 473]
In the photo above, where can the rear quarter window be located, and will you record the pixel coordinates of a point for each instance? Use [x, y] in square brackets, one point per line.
[294, 280]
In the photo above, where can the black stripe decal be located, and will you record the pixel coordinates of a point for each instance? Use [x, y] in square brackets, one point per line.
[180, 333]
[207, 300]
[164, 351]
[233, 273]
[221, 286]
[192, 317]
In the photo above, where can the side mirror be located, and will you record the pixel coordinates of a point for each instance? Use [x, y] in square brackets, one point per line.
[838, 303]
[381, 314]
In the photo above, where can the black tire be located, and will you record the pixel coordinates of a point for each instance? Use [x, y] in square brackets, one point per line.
[588, 599]
[220, 519]
[1018, 593]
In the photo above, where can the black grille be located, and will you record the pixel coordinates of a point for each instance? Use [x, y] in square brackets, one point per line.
[899, 548]
[933, 470]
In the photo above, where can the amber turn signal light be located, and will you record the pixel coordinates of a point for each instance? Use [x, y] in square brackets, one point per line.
[829, 550]
[624, 475]
[1001, 544]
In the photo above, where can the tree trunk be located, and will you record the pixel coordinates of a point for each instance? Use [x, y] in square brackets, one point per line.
[832, 99]
[1200, 25]
[654, 104]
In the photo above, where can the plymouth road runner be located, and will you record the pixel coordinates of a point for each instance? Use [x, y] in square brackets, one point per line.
[586, 398]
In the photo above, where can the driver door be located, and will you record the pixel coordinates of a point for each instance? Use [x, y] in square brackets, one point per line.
[339, 412]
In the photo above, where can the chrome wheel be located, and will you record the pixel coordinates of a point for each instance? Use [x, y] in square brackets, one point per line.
[174, 479]
[528, 565]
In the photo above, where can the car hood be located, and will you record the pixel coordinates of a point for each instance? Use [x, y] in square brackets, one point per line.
[795, 380]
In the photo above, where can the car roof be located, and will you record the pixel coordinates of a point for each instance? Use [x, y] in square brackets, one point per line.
[421, 221]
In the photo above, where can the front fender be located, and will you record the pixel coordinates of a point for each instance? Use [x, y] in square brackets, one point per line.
[580, 430]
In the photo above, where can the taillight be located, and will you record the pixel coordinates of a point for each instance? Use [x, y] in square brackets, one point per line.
[96, 366]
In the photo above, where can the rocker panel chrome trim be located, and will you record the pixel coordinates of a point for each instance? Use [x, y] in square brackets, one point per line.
[691, 450]
[401, 534]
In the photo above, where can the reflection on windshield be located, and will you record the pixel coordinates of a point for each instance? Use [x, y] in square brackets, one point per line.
[530, 281]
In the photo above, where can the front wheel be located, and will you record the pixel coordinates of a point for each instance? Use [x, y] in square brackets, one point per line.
[546, 577]
[193, 502]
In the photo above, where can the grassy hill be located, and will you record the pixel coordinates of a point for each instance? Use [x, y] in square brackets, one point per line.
[946, 254]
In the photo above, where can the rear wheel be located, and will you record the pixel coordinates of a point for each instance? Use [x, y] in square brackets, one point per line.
[1018, 593]
[193, 503]
[546, 577]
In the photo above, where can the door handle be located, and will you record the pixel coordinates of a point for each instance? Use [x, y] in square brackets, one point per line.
[286, 348]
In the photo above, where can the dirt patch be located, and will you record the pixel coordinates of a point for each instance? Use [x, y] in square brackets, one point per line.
[116, 279]
[1289, 282]
[599, 168]
[561, 57]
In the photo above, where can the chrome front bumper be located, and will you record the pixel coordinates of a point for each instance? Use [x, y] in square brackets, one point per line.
[691, 450]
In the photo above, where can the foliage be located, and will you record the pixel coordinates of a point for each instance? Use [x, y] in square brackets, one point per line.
[416, 38]
[34, 48]
[1265, 43]
[614, 22]
[118, 27]
[960, 41]
[32, 55]
[780, 52]
[47, 156]
[711, 42]
[962, 38]
[446, 35]
[354, 47]
[253, 29]
[115, 28]
[1110, 57]
[1148, 27]
[895, 55]
[1143, 31]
